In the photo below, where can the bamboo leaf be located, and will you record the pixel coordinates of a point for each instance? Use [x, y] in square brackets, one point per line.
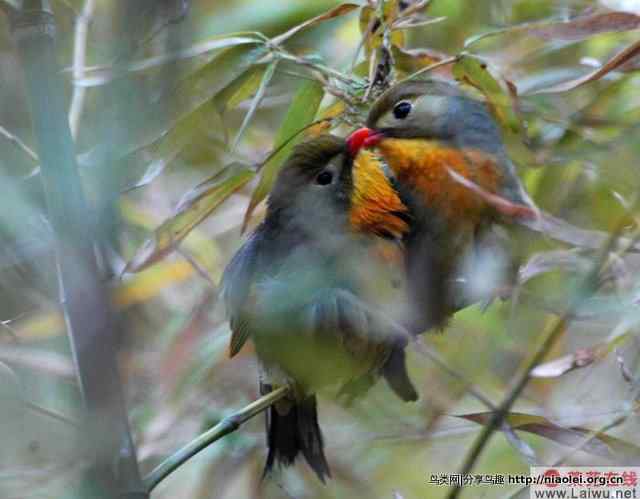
[14, 4]
[329, 116]
[575, 29]
[192, 209]
[100, 75]
[561, 230]
[301, 113]
[411, 60]
[338, 11]
[615, 62]
[601, 444]
[582, 357]
[474, 71]
[266, 79]
[187, 97]
[240, 89]
[541, 263]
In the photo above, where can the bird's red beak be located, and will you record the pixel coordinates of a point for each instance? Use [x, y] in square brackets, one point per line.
[363, 137]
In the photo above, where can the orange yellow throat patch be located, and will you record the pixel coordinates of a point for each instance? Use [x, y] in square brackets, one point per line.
[375, 204]
[424, 165]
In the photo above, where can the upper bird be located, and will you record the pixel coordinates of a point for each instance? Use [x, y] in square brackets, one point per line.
[432, 136]
[447, 160]
[317, 286]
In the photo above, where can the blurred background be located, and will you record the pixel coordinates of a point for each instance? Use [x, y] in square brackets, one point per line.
[176, 111]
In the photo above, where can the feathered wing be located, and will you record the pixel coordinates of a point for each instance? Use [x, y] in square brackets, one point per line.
[359, 324]
[236, 286]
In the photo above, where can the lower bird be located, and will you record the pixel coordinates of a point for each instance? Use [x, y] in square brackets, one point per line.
[319, 289]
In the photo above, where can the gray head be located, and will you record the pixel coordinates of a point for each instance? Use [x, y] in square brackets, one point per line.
[437, 110]
[312, 191]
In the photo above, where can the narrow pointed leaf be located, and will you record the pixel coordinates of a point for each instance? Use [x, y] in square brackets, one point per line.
[600, 444]
[301, 113]
[474, 71]
[557, 367]
[193, 209]
[411, 60]
[330, 116]
[241, 89]
[585, 26]
[612, 64]
[187, 97]
[561, 230]
[338, 11]
[548, 261]
[266, 79]
[575, 29]
[582, 357]
[101, 75]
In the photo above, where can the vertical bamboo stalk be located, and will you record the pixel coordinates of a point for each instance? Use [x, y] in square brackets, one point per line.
[113, 472]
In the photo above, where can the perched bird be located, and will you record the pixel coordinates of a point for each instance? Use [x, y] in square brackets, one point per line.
[318, 287]
[442, 147]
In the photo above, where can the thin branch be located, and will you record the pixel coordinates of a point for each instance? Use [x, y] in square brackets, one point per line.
[321, 68]
[431, 67]
[516, 442]
[200, 270]
[51, 414]
[497, 418]
[363, 40]
[414, 8]
[224, 427]
[79, 57]
[19, 144]
[442, 364]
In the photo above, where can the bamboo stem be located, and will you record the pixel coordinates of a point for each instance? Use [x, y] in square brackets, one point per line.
[113, 471]
[224, 427]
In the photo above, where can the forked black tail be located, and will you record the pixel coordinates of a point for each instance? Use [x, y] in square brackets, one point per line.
[295, 432]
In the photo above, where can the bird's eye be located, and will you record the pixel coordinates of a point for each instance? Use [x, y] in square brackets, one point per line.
[324, 178]
[402, 109]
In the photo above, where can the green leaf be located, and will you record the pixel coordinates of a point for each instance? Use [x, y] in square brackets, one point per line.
[300, 114]
[186, 97]
[240, 89]
[412, 60]
[266, 79]
[196, 205]
[100, 75]
[338, 11]
[473, 70]
[14, 4]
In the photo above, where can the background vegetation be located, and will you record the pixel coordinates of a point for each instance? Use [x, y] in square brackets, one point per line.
[181, 117]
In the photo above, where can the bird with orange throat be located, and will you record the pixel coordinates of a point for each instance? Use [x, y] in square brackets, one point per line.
[318, 288]
[445, 155]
